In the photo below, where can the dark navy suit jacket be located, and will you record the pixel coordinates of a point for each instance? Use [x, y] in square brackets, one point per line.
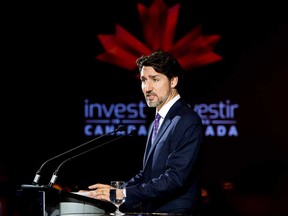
[170, 178]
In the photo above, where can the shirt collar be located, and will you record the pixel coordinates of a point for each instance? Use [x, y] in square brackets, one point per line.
[164, 110]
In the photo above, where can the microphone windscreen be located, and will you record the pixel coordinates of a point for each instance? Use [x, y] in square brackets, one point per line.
[121, 128]
[132, 133]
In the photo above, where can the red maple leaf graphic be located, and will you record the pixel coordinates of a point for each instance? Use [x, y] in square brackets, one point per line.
[159, 24]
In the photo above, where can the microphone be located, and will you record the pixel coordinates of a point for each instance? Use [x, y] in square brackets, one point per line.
[54, 176]
[38, 173]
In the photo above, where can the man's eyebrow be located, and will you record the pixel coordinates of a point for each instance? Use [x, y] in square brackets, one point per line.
[154, 76]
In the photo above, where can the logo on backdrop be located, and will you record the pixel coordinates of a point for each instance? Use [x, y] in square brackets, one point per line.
[101, 118]
[219, 118]
[158, 29]
[192, 50]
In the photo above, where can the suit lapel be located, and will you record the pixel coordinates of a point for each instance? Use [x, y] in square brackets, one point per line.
[149, 152]
[148, 144]
[167, 121]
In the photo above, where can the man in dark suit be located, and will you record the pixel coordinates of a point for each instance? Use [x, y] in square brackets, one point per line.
[170, 179]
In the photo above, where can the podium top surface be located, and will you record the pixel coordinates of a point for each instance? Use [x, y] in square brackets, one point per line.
[70, 197]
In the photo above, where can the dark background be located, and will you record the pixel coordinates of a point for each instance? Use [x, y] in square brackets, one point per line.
[50, 67]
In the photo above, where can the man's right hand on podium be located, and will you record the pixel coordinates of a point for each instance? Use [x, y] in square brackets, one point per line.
[98, 191]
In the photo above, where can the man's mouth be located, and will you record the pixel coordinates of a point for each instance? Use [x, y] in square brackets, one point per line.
[150, 97]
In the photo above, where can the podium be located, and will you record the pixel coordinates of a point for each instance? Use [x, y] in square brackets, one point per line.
[46, 201]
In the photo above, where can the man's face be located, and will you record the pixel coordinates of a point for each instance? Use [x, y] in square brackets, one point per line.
[156, 87]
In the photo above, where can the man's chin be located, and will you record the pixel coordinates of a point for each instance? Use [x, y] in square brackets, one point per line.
[151, 104]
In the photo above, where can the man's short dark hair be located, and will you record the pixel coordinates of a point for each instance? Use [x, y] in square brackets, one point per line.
[162, 62]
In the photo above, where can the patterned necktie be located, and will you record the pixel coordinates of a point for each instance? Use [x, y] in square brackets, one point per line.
[156, 126]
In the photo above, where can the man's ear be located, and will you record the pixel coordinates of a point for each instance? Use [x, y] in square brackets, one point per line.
[174, 82]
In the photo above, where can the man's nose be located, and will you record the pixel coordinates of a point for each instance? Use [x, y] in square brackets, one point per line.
[148, 86]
